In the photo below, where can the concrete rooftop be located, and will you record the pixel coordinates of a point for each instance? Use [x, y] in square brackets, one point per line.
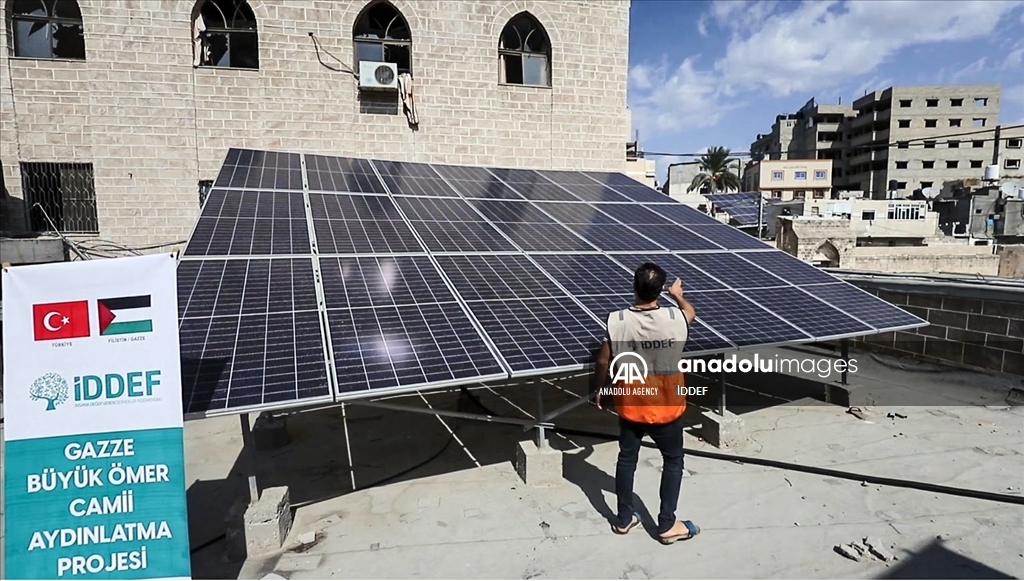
[462, 512]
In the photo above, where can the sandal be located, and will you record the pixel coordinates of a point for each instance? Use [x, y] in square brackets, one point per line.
[632, 525]
[692, 530]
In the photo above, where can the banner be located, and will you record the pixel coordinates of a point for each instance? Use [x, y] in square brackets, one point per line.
[94, 467]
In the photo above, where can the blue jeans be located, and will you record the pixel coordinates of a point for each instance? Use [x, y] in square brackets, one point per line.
[669, 439]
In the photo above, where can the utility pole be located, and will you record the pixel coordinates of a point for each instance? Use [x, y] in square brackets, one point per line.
[995, 146]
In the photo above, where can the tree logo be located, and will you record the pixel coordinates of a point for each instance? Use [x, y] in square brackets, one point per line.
[51, 387]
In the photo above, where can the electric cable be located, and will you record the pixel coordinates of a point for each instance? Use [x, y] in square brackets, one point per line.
[924, 141]
[342, 69]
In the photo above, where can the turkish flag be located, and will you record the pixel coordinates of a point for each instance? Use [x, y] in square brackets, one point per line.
[61, 320]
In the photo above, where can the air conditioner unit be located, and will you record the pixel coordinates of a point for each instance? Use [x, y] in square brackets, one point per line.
[376, 75]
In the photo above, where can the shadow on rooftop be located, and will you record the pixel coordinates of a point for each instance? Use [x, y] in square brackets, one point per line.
[935, 561]
[396, 446]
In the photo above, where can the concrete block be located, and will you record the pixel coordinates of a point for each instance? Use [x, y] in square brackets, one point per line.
[538, 466]
[722, 431]
[847, 395]
[270, 431]
[267, 522]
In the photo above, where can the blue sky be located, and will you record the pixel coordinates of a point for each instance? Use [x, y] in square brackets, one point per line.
[704, 73]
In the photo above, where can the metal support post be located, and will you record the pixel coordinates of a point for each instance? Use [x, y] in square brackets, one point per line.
[721, 389]
[249, 451]
[542, 439]
[844, 346]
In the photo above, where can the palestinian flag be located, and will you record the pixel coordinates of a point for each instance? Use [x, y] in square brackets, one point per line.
[125, 315]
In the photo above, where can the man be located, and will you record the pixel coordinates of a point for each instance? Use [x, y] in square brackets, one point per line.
[650, 406]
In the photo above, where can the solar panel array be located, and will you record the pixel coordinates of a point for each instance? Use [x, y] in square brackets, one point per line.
[311, 278]
[743, 207]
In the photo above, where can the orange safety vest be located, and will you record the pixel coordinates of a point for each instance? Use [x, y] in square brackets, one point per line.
[651, 342]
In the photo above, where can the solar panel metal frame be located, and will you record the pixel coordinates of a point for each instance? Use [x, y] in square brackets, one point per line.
[514, 177]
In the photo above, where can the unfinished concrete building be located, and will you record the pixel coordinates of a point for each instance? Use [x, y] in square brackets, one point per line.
[912, 138]
[941, 134]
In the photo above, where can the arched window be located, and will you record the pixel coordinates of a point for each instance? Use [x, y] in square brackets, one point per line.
[224, 35]
[524, 52]
[381, 34]
[47, 29]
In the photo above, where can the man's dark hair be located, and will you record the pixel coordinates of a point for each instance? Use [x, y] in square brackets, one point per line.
[648, 281]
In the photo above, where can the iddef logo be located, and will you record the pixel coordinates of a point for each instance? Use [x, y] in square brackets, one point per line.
[116, 386]
[51, 387]
[632, 370]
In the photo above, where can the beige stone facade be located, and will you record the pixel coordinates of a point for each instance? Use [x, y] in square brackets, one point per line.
[830, 241]
[792, 179]
[153, 126]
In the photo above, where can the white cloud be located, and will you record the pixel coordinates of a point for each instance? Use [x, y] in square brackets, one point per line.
[820, 44]
[969, 70]
[808, 50]
[702, 26]
[665, 101]
[872, 84]
[1014, 60]
[1014, 94]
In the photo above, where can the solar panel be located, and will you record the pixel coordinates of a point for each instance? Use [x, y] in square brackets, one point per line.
[682, 214]
[741, 321]
[342, 174]
[413, 179]
[252, 361]
[256, 204]
[675, 267]
[586, 274]
[476, 182]
[640, 193]
[788, 267]
[509, 211]
[743, 207]
[633, 214]
[422, 276]
[266, 170]
[545, 191]
[576, 213]
[355, 223]
[862, 306]
[244, 287]
[677, 238]
[611, 237]
[806, 312]
[728, 237]
[733, 270]
[543, 237]
[497, 277]
[397, 348]
[250, 334]
[462, 237]
[224, 236]
[539, 335]
[373, 281]
[438, 209]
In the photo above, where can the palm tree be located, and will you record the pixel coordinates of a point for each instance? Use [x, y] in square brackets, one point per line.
[715, 174]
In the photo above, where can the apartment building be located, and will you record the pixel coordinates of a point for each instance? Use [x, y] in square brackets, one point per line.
[940, 134]
[881, 222]
[912, 138]
[116, 114]
[791, 179]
